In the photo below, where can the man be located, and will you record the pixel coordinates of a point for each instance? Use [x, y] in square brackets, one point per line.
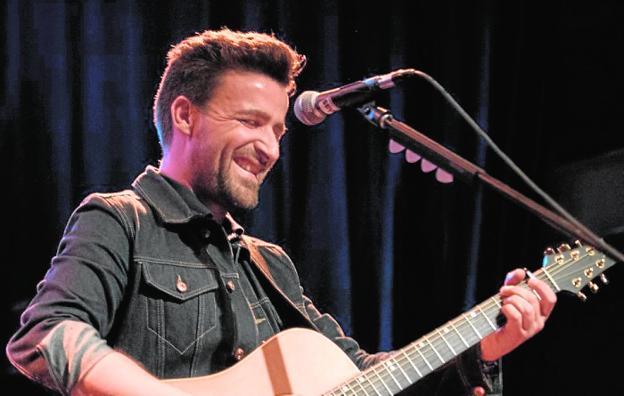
[159, 281]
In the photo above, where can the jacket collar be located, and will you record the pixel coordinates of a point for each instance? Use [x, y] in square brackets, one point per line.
[174, 203]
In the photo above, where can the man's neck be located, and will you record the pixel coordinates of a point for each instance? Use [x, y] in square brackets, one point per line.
[217, 211]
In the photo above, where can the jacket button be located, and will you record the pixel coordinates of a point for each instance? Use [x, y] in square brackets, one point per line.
[239, 353]
[181, 285]
[230, 286]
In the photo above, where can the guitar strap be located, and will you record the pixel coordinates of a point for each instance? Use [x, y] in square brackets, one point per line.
[289, 313]
[257, 258]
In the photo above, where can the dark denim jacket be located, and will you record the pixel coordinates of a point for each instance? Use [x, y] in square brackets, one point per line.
[148, 270]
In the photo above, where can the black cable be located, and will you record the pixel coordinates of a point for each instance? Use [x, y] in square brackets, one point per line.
[481, 133]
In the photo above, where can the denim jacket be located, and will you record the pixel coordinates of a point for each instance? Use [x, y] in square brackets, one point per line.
[152, 274]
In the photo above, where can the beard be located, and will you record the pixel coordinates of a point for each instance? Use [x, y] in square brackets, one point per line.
[236, 195]
[221, 186]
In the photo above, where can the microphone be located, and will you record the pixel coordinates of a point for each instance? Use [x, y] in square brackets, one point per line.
[313, 107]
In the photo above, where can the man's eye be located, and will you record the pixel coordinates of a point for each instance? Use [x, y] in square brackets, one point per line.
[249, 123]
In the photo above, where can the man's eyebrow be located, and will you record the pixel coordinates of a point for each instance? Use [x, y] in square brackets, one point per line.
[252, 112]
[261, 114]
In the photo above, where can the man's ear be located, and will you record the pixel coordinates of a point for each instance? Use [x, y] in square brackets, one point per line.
[182, 116]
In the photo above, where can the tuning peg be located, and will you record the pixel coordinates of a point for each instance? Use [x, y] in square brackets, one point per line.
[582, 296]
[549, 251]
[578, 243]
[564, 247]
[593, 287]
[604, 279]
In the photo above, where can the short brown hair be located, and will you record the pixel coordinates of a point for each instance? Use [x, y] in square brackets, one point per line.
[195, 64]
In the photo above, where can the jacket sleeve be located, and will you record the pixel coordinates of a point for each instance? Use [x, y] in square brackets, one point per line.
[61, 333]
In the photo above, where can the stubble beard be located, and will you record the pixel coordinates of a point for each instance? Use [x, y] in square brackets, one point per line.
[222, 188]
[237, 195]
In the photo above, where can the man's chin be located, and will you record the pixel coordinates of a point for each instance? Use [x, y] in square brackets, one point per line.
[242, 200]
[241, 195]
[245, 206]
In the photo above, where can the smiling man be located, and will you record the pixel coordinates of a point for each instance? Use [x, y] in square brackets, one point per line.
[223, 149]
[159, 282]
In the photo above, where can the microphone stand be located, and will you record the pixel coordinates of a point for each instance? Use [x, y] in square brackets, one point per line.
[469, 172]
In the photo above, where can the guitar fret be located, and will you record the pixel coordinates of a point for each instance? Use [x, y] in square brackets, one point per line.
[367, 377]
[459, 334]
[551, 279]
[351, 386]
[389, 368]
[411, 363]
[424, 358]
[382, 381]
[401, 368]
[487, 318]
[435, 350]
[346, 388]
[496, 302]
[447, 343]
[374, 388]
[359, 381]
[473, 327]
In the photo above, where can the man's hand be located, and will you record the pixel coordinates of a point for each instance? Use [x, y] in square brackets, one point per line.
[526, 311]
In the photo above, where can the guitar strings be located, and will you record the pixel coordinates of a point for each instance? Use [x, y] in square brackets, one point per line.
[374, 377]
[489, 306]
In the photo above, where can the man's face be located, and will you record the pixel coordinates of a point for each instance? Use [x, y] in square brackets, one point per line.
[236, 138]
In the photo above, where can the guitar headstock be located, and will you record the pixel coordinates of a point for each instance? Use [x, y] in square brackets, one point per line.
[572, 268]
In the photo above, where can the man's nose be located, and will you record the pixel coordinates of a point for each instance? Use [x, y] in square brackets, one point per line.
[268, 149]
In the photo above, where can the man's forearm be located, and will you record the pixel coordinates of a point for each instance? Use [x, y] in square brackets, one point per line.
[73, 358]
[118, 375]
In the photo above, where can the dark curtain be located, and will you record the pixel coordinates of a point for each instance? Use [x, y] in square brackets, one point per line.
[380, 244]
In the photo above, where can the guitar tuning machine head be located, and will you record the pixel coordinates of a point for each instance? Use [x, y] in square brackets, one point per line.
[593, 287]
[564, 247]
[604, 279]
[549, 251]
[582, 296]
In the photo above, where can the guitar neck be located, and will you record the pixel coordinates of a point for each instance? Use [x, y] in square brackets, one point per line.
[408, 365]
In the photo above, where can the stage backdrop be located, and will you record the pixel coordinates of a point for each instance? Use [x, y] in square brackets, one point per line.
[379, 243]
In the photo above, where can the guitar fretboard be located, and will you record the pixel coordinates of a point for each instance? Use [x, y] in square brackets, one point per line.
[408, 365]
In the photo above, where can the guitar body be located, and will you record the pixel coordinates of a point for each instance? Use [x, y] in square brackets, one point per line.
[293, 362]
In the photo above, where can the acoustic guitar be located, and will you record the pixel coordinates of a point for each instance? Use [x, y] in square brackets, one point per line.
[303, 362]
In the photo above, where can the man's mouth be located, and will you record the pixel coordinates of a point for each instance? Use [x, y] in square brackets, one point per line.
[249, 165]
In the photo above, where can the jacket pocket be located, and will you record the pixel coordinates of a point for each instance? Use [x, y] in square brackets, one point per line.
[181, 302]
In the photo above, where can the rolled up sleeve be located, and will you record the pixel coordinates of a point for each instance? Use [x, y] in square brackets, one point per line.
[62, 331]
